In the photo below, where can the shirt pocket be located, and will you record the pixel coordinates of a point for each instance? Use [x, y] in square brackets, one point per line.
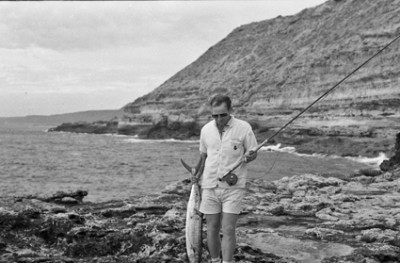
[235, 148]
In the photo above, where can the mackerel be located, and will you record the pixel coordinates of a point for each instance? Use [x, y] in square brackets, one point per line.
[194, 222]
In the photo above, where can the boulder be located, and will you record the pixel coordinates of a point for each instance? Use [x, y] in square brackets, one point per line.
[394, 161]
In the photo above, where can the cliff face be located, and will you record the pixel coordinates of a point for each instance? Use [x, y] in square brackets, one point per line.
[277, 67]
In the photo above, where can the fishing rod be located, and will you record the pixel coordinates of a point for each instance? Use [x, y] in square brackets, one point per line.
[312, 104]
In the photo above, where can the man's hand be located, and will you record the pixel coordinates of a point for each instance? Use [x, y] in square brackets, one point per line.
[250, 156]
[195, 179]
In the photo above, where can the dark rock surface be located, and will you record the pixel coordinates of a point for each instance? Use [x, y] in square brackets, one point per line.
[162, 127]
[394, 161]
[103, 127]
[337, 141]
[305, 218]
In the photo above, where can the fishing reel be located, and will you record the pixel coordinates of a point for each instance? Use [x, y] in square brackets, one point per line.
[230, 179]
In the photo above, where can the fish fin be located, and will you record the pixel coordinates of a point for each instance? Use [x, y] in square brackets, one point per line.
[188, 167]
[197, 211]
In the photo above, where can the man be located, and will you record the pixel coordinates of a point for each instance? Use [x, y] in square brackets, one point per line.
[224, 142]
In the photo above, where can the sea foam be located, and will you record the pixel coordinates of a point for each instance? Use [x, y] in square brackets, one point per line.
[135, 139]
[370, 161]
[373, 161]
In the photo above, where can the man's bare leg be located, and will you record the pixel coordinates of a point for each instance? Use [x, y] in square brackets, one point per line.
[213, 238]
[229, 235]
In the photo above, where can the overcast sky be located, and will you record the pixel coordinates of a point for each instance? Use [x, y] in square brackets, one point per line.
[62, 57]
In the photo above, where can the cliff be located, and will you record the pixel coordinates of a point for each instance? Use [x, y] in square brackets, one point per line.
[276, 67]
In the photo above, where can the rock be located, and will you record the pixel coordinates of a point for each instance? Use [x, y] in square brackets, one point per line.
[123, 212]
[370, 172]
[276, 209]
[68, 200]
[326, 217]
[306, 181]
[357, 188]
[394, 161]
[356, 221]
[160, 120]
[378, 235]
[385, 165]
[101, 127]
[382, 252]
[74, 197]
[363, 179]
[173, 215]
[3, 244]
[324, 233]
[27, 253]
[326, 214]
[175, 121]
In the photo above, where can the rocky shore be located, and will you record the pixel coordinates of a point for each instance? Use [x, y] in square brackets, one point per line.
[304, 218]
[307, 136]
[179, 127]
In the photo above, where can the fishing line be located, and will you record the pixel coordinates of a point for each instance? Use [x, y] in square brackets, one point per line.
[314, 102]
[273, 164]
[277, 153]
[326, 93]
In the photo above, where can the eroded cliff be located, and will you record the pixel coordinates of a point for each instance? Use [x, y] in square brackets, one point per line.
[276, 67]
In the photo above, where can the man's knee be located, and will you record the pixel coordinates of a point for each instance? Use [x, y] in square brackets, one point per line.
[213, 229]
[213, 223]
[228, 230]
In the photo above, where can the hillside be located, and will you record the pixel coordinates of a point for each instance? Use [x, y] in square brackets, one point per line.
[276, 67]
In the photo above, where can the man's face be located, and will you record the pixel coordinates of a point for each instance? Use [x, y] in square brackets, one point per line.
[221, 115]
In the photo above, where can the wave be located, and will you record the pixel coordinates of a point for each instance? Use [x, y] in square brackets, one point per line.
[370, 161]
[135, 139]
[291, 150]
[277, 148]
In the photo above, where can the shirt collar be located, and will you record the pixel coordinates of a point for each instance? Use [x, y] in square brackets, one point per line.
[230, 121]
[228, 124]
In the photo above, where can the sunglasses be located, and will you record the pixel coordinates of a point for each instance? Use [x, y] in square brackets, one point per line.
[215, 116]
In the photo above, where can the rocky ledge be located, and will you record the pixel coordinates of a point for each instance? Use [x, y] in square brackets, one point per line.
[158, 127]
[309, 138]
[304, 218]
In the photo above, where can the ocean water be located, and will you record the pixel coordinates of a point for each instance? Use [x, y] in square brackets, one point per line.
[34, 161]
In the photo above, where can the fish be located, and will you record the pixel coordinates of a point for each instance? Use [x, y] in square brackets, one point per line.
[194, 221]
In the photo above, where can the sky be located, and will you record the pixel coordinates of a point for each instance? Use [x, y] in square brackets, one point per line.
[68, 56]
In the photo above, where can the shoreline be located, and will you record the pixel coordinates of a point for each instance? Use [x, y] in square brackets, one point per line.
[313, 218]
[282, 221]
[357, 137]
[328, 217]
[371, 156]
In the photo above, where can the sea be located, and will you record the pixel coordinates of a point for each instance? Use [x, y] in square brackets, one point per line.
[34, 161]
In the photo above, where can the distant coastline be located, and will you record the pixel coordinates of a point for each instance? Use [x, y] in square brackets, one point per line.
[366, 139]
[345, 142]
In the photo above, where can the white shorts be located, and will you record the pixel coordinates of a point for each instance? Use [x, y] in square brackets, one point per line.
[217, 200]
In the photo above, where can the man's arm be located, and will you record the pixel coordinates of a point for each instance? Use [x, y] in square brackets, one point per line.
[250, 144]
[200, 165]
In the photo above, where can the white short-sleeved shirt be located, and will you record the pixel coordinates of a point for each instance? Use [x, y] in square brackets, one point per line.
[224, 151]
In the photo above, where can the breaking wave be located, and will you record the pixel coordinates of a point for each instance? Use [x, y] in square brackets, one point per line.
[135, 139]
[370, 161]
[374, 161]
[289, 149]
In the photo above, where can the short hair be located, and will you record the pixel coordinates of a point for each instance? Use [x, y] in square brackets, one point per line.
[219, 99]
